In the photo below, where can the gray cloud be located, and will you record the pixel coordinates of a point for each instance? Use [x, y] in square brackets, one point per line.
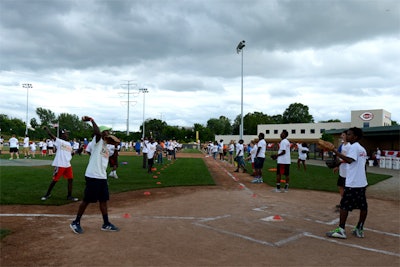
[342, 48]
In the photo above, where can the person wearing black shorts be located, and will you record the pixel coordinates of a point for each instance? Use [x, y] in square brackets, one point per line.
[96, 178]
[354, 196]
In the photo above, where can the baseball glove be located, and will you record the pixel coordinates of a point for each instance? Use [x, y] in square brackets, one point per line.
[274, 157]
[326, 145]
[332, 163]
[111, 139]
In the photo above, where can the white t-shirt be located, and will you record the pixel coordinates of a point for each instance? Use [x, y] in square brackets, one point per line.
[151, 149]
[231, 147]
[284, 145]
[214, 148]
[263, 145]
[239, 150]
[98, 160]
[13, 142]
[76, 145]
[26, 142]
[302, 151]
[50, 143]
[144, 146]
[63, 155]
[111, 149]
[253, 152]
[33, 147]
[343, 165]
[356, 176]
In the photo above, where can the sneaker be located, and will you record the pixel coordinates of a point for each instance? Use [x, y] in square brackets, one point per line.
[111, 174]
[72, 198]
[256, 181]
[358, 232]
[338, 233]
[45, 197]
[276, 190]
[76, 228]
[109, 227]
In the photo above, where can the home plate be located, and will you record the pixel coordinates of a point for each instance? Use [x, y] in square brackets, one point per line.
[275, 218]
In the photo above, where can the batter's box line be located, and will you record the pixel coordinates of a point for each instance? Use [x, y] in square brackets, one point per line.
[352, 245]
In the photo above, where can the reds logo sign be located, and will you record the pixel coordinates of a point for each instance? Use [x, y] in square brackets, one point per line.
[367, 116]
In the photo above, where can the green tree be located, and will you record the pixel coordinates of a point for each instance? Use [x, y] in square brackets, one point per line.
[297, 113]
[46, 116]
[222, 125]
[155, 127]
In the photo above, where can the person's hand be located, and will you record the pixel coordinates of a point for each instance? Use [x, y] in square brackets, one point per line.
[86, 118]
[274, 157]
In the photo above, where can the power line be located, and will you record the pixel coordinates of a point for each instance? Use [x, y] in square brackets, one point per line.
[128, 93]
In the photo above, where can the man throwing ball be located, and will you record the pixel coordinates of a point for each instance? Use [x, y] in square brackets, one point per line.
[96, 177]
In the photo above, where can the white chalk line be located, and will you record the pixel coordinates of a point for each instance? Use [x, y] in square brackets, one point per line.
[200, 220]
[352, 245]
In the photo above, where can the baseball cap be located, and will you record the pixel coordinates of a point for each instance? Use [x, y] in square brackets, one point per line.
[104, 128]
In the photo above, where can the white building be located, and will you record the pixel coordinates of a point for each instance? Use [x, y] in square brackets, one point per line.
[311, 132]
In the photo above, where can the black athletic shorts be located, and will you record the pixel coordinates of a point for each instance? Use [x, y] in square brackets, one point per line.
[96, 190]
[259, 163]
[354, 198]
[341, 181]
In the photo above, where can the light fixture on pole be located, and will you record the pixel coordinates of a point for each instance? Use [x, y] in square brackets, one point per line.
[239, 49]
[144, 91]
[27, 86]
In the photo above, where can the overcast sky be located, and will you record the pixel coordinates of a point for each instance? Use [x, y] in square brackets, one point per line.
[333, 56]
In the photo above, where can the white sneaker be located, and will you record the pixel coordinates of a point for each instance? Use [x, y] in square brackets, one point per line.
[115, 176]
[276, 190]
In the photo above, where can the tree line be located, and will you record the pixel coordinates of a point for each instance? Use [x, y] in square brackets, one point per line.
[158, 129]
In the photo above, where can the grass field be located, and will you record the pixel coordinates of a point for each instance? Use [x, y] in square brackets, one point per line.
[26, 185]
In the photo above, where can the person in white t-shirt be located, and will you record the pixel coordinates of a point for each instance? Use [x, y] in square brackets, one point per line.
[283, 162]
[26, 146]
[302, 149]
[145, 141]
[61, 163]
[96, 178]
[32, 149]
[13, 141]
[151, 151]
[252, 156]
[231, 149]
[341, 182]
[354, 196]
[260, 158]
[240, 156]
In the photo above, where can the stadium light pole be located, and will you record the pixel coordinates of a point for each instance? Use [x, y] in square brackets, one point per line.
[239, 49]
[144, 91]
[27, 86]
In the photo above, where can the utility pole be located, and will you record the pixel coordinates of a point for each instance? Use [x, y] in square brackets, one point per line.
[128, 102]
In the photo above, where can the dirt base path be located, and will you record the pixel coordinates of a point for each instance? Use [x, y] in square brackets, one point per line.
[235, 223]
